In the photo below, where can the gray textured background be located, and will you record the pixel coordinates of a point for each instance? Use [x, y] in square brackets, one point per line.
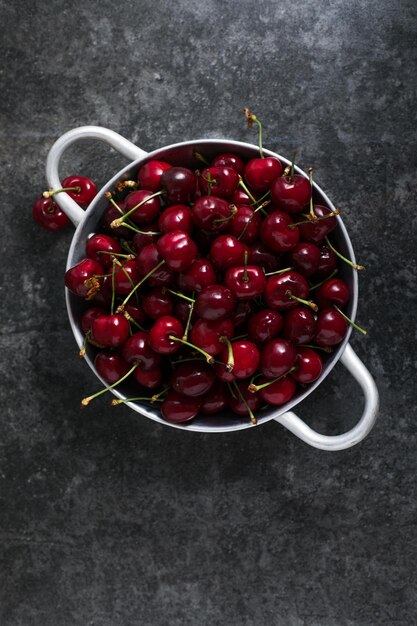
[109, 519]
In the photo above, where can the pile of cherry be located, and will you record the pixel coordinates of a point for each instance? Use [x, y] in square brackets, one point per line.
[212, 290]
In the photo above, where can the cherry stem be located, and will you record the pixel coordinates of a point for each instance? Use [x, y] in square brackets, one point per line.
[308, 303]
[86, 401]
[340, 255]
[119, 221]
[136, 287]
[294, 154]
[327, 349]
[127, 224]
[119, 255]
[51, 192]
[201, 158]
[113, 293]
[264, 197]
[254, 388]
[209, 180]
[187, 326]
[131, 184]
[84, 346]
[180, 295]
[335, 271]
[246, 190]
[286, 269]
[207, 356]
[251, 117]
[132, 321]
[245, 265]
[233, 211]
[316, 219]
[230, 356]
[313, 216]
[241, 396]
[351, 322]
[151, 399]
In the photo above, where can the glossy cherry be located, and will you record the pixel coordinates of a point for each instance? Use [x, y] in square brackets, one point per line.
[149, 175]
[231, 160]
[226, 251]
[178, 250]
[305, 257]
[215, 400]
[291, 193]
[111, 366]
[242, 312]
[276, 290]
[101, 247]
[308, 366]
[88, 316]
[78, 278]
[136, 349]
[179, 184]
[240, 401]
[265, 325]
[261, 173]
[125, 277]
[245, 282]
[260, 254]
[327, 262]
[148, 258]
[333, 291]
[215, 302]
[149, 206]
[176, 217]
[206, 334]
[276, 234]
[158, 302]
[47, 214]
[87, 189]
[149, 234]
[109, 215]
[160, 335]
[245, 356]
[151, 379]
[316, 230]
[245, 224]
[177, 408]
[299, 325]
[193, 378]
[212, 213]
[277, 357]
[331, 327]
[201, 274]
[279, 392]
[218, 181]
[110, 331]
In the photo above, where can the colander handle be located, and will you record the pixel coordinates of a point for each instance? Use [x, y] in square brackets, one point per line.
[340, 442]
[116, 141]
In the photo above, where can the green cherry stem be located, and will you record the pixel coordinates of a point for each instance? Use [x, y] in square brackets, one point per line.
[51, 192]
[187, 326]
[207, 356]
[254, 388]
[86, 401]
[286, 269]
[113, 293]
[351, 322]
[233, 211]
[136, 287]
[246, 190]
[308, 303]
[180, 295]
[313, 216]
[294, 154]
[251, 118]
[241, 396]
[119, 221]
[316, 219]
[230, 356]
[151, 399]
[327, 349]
[335, 271]
[343, 258]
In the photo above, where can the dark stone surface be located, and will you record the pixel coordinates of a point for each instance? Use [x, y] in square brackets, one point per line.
[109, 519]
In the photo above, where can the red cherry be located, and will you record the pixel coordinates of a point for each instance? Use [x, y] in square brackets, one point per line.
[279, 392]
[331, 327]
[239, 406]
[261, 173]
[260, 254]
[126, 277]
[276, 234]
[206, 334]
[182, 311]
[245, 224]
[111, 366]
[158, 302]
[277, 357]
[161, 332]
[299, 325]
[276, 294]
[148, 258]
[101, 247]
[110, 331]
[241, 313]
[316, 230]
[88, 316]
[142, 239]
[47, 214]
[193, 378]
[178, 250]
[180, 185]
[176, 217]
[136, 312]
[245, 357]
[87, 189]
[333, 291]
[77, 278]
[327, 262]
[151, 379]
[216, 399]
[211, 213]
[231, 160]
[149, 175]
[265, 325]
[245, 283]
[218, 181]
[137, 350]
[308, 364]
[241, 197]
[305, 257]
[110, 214]
[291, 194]
[201, 274]
[227, 251]
[177, 408]
[215, 302]
[146, 212]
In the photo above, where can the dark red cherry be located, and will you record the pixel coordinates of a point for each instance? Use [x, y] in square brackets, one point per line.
[147, 211]
[111, 366]
[241, 313]
[331, 327]
[206, 334]
[245, 283]
[110, 331]
[157, 302]
[149, 175]
[87, 189]
[201, 274]
[277, 357]
[151, 379]
[308, 364]
[291, 194]
[160, 334]
[327, 262]
[305, 257]
[136, 349]
[78, 278]
[177, 408]
[227, 251]
[260, 254]
[265, 325]
[180, 185]
[148, 258]
[178, 250]
[109, 215]
[104, 293]
[245, 224]
[182, 311]
[211, 213]
[316, 230]
[245, 357]
[142, 239]
[47, 214]
[126, 277]
[333, 291]
[241, 197]
[193, 378]
[276, 234]
[239, 406]
[261, 173]
[176, 217]
[88, 316]
[275, 292]
[279, 392]
[299, 325]
[215, 400]
[229, 159]
[136, 312]
[101, 247]
[218, 181]
[215, 302]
